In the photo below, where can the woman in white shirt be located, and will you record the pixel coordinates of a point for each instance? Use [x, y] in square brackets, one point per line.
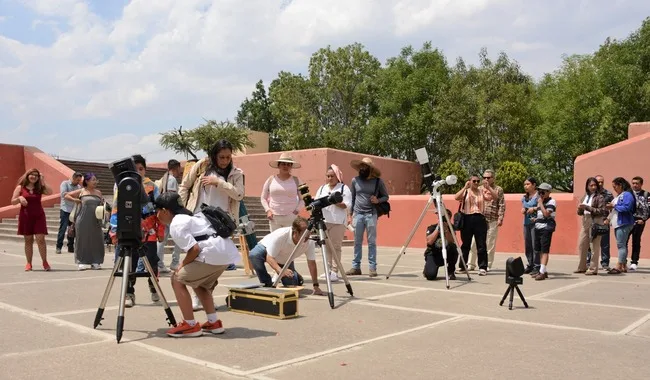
[335, 215]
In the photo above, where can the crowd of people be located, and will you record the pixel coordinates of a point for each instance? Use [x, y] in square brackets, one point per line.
[174, 210]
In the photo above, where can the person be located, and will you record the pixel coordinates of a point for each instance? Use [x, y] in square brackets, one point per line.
[152, 232]
[335, 216]
[214, 181]
[275, 249]
[621, 218]
[89, 252]
[280, 196]
[207, 256]
[592, 211]
[67, 186]
[528, 202]
[368, 190]
[544, 227]
[640, 218]
[495, 210]
[433, 259]
[32, 223]
[168, 182]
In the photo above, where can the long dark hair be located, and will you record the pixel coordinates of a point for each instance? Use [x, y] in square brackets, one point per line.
[589, 181]
[214, 167]
[23, 181]
[622, 182]
[533, 181]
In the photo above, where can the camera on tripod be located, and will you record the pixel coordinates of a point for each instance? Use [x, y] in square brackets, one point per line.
[312, 204]
[130, 198]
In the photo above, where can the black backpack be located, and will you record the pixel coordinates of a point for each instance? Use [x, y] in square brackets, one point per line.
[222, 223]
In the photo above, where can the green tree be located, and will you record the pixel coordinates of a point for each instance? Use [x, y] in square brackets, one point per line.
[410, 89]
[255, 114]
[511, 176]
[179, 142]
[449, 167]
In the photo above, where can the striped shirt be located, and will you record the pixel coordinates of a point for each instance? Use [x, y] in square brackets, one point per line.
[543, 222]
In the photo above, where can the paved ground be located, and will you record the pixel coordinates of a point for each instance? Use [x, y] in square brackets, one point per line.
[403, 327]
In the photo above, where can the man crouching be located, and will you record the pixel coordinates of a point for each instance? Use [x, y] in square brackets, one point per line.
[207, 256]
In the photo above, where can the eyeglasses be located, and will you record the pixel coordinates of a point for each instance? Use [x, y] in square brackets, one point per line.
[476, 181]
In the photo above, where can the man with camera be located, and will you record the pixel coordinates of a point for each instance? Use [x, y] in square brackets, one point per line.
[275, 249]
[207, 257]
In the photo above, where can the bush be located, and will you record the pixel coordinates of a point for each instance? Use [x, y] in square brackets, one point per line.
[511, 176]
[449, 167]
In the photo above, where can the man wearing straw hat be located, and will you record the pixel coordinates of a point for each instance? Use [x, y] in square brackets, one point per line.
[367, 191]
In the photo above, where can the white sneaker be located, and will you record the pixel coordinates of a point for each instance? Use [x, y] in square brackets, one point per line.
[633, 267]
[196, 304]
[482, 272]
[334, 277]
[129, 300]
[164, 270]
[96, 266]
[84, 266]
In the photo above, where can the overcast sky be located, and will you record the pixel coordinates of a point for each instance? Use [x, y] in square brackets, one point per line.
[100, 79]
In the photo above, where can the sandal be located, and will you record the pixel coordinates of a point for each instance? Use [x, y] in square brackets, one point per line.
[591, 273]
[613, 271]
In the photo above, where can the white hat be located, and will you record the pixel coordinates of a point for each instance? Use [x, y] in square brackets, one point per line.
[285, 157]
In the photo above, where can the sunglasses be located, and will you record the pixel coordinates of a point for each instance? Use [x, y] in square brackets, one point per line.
[476, 181]
[541, 192]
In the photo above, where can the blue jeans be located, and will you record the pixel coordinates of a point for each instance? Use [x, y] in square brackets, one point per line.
[362, 223]
[64, 222]
[622, 234]
[257, 256]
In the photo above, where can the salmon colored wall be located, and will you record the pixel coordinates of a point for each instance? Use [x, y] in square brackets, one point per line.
[12, 162]
[31, 157]
[393, 231]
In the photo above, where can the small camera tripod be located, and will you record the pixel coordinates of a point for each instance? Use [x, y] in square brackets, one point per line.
[436, 197]
[317, 222]
[125, 256]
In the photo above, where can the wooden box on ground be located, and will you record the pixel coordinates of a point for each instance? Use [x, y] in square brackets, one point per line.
[278, 303]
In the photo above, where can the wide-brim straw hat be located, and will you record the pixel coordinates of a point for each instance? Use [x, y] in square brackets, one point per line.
[355, 164]
[285, 157]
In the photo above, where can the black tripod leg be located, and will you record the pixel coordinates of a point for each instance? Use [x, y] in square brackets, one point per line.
[102, 305]
[154, 281]
[521, 296]
[504, 296]
[512, 296]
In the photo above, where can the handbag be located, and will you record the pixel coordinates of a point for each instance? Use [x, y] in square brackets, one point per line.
[599, 230]
[383, 208]
[459, 216]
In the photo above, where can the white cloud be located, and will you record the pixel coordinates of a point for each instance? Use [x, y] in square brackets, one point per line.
[166, 62]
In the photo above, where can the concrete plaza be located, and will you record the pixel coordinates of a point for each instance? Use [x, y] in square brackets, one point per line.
[577, 326]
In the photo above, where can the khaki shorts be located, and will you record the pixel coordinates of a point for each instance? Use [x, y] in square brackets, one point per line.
[197, 274]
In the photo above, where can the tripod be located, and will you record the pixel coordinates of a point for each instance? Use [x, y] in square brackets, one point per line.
[513, 284]
[318, 222]
[125, 257]
[442, 216]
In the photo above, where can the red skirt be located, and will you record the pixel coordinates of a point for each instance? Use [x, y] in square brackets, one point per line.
[32, 223]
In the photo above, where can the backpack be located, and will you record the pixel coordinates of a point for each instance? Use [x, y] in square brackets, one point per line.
[220, 220]
[642, 209]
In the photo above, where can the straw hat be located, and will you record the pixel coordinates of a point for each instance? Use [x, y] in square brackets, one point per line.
[367, 161]
[285, 157]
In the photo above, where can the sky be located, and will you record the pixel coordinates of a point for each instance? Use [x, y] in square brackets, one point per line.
[99, 80]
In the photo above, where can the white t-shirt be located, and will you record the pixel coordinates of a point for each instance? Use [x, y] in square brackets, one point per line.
[172, 183]
[214, 250]
[213, 196]
[279, 244]
[334, 214]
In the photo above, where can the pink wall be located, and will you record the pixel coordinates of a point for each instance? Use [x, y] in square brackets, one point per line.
[30, 157]
[393, 231]
[403, 178]
[12, 162]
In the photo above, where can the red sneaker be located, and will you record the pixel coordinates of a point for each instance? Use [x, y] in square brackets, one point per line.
[185, 330]
[214, 328]
[46, 266]
[28, 267]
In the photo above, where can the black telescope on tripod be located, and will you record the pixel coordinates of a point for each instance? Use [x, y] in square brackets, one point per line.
[131, 197]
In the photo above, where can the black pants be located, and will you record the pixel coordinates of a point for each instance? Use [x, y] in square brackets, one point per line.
[529, 239]
[543, 241]
[151, 252]
[636, 233]
[433, 261]
[64, 222]
[474, 226]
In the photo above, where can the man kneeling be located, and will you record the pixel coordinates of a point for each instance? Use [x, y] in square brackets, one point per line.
[208, 255]
[433, 259]
[275, 249]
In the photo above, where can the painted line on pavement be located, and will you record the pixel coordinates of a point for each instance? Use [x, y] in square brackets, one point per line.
[320, 354]
[47, 350]
[562, 289]
[635, 325]
[51, 280]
